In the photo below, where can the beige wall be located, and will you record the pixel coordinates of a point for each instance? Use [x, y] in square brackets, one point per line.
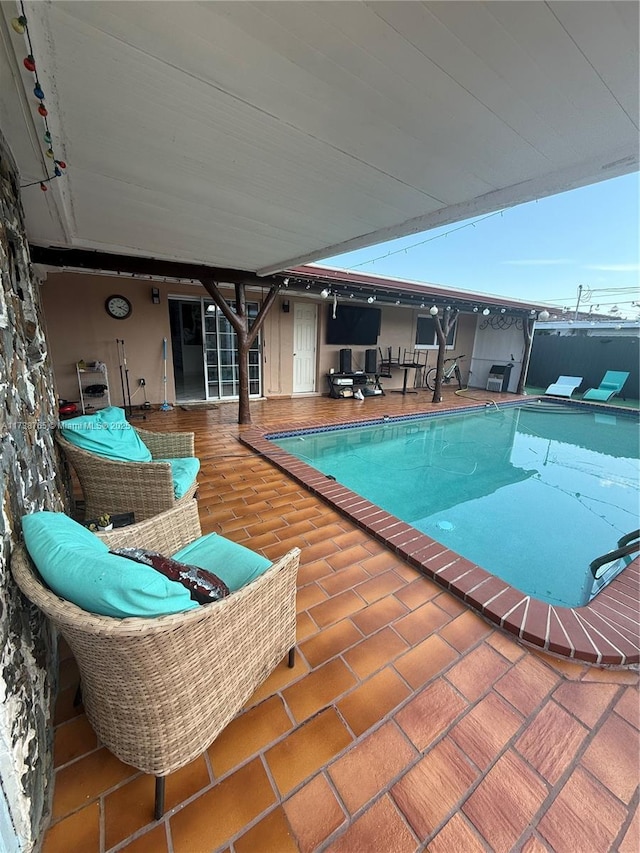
[78, 327]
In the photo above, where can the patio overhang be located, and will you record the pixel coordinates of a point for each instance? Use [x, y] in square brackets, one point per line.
[260, 136]
[308, 281]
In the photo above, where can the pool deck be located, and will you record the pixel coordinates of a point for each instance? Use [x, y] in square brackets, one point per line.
[408, 723]
[603, 632]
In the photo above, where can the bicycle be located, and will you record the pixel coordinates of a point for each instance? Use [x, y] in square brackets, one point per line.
[447, 374]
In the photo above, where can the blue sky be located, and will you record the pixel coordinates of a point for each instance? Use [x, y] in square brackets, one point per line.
[542, 250]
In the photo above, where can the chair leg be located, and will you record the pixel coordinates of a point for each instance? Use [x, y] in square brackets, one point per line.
[159, 807]
[292, 657]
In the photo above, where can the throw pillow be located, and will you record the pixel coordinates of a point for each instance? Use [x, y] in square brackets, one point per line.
[203, 586]
[234, 563]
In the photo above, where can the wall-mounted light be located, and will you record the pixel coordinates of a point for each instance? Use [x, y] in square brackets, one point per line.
[475, 309]
[286, 307]
[371, 299]
[285, 281]
[155, 295]
[324, 293]
[486, 312]
[503, 310]
[543, 315]
[433, 310]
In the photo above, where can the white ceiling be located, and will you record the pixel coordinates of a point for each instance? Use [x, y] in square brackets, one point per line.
[261, 135]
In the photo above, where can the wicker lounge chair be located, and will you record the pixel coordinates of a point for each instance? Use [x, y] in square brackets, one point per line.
[144, 488]
[158, 691]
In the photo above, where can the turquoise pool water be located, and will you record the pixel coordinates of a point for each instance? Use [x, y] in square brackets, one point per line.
[531, 494]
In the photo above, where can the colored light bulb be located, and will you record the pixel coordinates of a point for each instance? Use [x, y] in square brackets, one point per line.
[57, 172]
[61, 163]
[49, 153]
[47, 137]
[19, 24]
[43, 110]
[43, 186]
[38, 93]
[29, 63]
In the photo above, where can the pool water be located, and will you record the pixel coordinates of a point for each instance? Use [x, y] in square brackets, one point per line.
[530, 493]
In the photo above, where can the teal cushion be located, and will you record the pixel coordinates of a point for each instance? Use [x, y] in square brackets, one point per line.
[183, 471]
[232, 563]
[77, 565]
[108, 434]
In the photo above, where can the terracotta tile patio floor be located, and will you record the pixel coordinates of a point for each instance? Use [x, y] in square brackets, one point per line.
[408, 722]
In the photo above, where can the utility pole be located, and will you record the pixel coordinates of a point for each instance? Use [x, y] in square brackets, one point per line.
[575, 316]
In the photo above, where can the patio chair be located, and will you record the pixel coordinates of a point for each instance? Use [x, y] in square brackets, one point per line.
[387, 362]
[611, 383]
[159, 690]
[112, 485]
[564, 386]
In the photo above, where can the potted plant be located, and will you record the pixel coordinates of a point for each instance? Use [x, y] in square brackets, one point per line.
[103, 523]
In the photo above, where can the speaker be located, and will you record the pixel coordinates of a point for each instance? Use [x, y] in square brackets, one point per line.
[370, 361]
[345, 361]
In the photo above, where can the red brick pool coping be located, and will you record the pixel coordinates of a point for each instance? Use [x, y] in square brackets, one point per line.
[604, 632]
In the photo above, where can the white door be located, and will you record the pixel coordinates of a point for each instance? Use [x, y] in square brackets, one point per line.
[305, 322]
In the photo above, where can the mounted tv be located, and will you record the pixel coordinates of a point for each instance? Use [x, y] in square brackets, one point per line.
[354, 325]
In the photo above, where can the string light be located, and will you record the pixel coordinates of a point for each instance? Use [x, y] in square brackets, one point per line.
[21, 26]
[428, 240]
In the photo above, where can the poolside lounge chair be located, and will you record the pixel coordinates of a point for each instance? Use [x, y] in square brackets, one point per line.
[564, 386]
[612, 383]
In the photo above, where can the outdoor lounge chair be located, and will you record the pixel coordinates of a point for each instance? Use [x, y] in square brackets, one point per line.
[158, 690]
[112, 485]
[564, 386]
[612, 383]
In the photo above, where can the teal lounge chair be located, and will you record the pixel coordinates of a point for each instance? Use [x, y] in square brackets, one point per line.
[612, 383]
[564, 386]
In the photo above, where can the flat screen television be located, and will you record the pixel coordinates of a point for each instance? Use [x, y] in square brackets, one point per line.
[354, 325]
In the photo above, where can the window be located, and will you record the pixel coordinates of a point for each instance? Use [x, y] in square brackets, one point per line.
[426, 334]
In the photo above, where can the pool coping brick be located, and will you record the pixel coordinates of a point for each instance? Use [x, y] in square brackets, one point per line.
[565, 631]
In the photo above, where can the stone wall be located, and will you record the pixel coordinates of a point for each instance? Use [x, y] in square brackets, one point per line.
[28, 482]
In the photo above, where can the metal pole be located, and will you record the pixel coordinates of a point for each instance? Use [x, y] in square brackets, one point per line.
[124, 400]
[575, 316]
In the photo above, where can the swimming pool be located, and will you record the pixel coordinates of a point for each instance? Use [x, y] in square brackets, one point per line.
[531, 493]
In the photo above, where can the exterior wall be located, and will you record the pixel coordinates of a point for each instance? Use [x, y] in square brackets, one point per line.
[79, 328]
[496, 345]
[29, 482]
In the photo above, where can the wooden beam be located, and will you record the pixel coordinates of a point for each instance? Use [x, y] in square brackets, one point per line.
[132, 265]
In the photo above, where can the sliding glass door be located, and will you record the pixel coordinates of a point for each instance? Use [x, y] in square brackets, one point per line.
[221, 354]
[205, 351]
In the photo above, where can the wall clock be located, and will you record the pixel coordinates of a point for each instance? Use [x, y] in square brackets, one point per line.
[118, 307]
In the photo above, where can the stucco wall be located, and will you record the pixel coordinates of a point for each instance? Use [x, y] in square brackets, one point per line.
[29, 482]
[79, 328]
